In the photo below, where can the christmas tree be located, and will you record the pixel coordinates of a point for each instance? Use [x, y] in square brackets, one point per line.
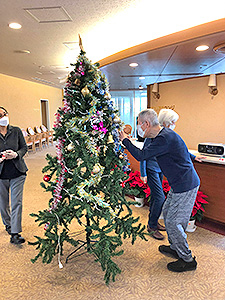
[86, 176]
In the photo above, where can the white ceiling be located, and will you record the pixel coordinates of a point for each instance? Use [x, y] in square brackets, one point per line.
[45, 31]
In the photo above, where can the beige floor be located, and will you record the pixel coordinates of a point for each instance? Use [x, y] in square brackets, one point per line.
[144, 273]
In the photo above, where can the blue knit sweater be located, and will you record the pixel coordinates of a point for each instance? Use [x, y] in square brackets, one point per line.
[173, 158]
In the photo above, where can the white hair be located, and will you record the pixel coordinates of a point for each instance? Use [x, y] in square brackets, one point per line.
[167, 116]
[149, 115]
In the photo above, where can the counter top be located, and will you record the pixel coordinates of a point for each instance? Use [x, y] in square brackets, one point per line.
[209, 159]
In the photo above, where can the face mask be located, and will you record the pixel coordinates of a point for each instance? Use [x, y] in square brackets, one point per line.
[172, 126]
[141, 132]
[4, 121]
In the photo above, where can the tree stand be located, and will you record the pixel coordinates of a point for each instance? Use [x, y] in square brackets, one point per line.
[83, 244]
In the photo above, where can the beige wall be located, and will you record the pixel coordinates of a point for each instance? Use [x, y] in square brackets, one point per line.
[22, 100]
[202, 119]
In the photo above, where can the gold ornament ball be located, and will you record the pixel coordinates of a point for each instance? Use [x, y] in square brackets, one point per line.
[83, 170]
[116, 119]
[121, 156]
[96, 169]
[107, 95]
[70, 147]
[77, 81]
[85, 91]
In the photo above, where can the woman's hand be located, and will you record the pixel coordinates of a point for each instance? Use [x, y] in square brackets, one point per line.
[9, 154]
[2, 158]
[199, 158]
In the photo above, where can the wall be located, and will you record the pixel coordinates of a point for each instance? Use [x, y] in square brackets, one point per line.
[22, 100]
[202, 118]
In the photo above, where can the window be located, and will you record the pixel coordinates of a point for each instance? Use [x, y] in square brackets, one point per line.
[129, 104]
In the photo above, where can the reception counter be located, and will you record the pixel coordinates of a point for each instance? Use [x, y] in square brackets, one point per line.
[212, 175]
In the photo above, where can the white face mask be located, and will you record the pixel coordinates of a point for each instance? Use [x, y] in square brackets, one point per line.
[4, 121]
[141, 132]
[172, 126]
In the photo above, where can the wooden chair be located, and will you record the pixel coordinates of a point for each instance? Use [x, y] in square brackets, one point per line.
[29, 140]
[43, 135]
[49, 134]
[36, 136]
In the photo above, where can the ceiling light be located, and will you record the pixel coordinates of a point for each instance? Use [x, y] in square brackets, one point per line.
[15, 25]
[141, 78]
[202, 48]
[133, 65]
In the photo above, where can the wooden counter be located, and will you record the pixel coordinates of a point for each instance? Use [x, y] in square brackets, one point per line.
[212, 176]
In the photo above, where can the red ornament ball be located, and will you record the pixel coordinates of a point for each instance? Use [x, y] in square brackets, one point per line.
[46, 178]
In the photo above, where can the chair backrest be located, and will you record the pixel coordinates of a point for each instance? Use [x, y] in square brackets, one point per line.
[30, 131]
[43, 128]
[37, 129]
[24, 132]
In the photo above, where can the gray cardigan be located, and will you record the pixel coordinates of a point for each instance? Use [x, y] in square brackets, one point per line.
[15, 141]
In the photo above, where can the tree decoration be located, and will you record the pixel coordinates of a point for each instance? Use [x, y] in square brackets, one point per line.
[46, 178]
[86, 186]
[85, 91]
[70, 147]
[77, 81]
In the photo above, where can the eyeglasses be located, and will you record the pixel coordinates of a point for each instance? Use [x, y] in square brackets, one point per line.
[3, 115]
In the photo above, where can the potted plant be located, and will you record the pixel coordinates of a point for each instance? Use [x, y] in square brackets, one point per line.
[198, 208]
[134, 186]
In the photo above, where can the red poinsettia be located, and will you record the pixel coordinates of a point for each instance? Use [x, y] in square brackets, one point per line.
[135, 186]
[199, 206]
[166, 187]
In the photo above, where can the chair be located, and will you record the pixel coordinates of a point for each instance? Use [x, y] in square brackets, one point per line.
[49, 134]
[29, 140]
[43, 135]
[36, 136]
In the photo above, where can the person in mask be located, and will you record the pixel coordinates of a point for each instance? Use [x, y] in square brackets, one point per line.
[174, 160]
[12, 176]
[152, 174]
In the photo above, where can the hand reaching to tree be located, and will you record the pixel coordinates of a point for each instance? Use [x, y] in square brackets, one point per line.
[123, 135]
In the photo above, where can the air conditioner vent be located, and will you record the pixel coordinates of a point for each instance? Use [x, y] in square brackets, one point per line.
[219, 48]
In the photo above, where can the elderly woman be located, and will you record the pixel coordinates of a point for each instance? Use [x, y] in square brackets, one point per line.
[151, 173]
[12, 176]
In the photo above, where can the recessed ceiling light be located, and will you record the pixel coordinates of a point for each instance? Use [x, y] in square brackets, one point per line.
[141, 78]
[15, 25]
[133, 65]
[202, 48]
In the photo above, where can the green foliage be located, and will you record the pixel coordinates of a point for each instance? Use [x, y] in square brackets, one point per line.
[86, 175]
